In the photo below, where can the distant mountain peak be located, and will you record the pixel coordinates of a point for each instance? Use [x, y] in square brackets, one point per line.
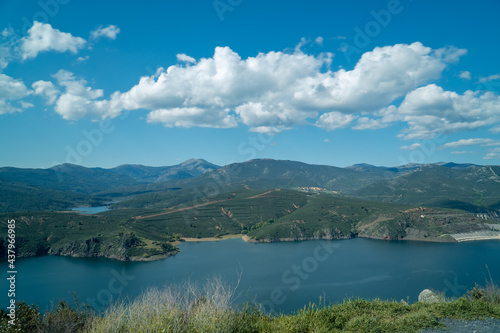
[454, 165]
[195, 160]
[69, 166]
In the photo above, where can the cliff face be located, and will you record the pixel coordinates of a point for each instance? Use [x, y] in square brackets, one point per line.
[123, 247]
[297, 234]
[93, 247]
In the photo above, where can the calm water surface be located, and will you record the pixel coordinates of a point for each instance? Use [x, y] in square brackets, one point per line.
[90, 210]
[281, 276]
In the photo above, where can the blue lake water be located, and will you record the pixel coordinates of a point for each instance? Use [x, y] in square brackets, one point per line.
[90, 210]
[280, 276]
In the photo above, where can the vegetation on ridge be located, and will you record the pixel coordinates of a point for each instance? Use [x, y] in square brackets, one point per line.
[261, 215]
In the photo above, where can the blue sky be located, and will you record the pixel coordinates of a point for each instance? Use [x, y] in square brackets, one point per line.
[324, 82]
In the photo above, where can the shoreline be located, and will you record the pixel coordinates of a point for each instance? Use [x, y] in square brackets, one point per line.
[465, 237]
[207, 239]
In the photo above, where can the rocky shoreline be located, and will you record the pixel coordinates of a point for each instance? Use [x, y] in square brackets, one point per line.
[94, 252]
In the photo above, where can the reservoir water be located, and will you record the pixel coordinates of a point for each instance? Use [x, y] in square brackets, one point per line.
[281, 276]
[90, 210]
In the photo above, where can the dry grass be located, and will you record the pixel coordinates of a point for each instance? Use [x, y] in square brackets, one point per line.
[177, 308]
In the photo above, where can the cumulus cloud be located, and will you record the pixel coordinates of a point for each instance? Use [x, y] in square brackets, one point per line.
[42, 37]
[11, 88]
[192, 116]
[78, 100]
[365, 123]
[462, 152]
[25, 105]
[262, 117]
[8, 44]
[182, 57]
[450, 54]
[275, 91]
[111, 31]
[334, 120]
[47, 90]
[471, 142]
[494, 154]
[4, 57]
[414, 146]
[379, 77]
[490, 78]
[11, 92]
[465, 75]
[430, 110]
[82, 59]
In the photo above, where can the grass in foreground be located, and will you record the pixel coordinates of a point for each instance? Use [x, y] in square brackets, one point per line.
[188, 308]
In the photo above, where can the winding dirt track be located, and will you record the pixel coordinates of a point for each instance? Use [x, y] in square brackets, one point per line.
[198, 205]
[493, 172]
[263, 194]
[180, 209]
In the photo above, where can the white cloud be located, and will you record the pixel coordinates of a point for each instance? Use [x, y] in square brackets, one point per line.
[111, 31]
[303, 41]
[275, 91]
[259, 89]
[414, 146]
[471, 142]
[379, 77]
[365, 123]
[494, 154]
[78, 100]
[47, 90]
[463, 152]
[4, 57]
[11, 88]
[11, 92]
[42, 37]
[334, 120]
[82, 59]
[490, 78]
[495, 129]
[269, 130]
[450, 54]
[182, 57]
[465, 75]
[6, 107]
[430, 111]
[8, 45]
[192, 116]
[271, 117]
[25, 105]
[319, 40]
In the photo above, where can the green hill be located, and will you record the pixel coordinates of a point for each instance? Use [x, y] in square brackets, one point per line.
[470, 188]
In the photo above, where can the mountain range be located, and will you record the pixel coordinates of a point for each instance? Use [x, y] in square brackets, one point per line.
[466, 186]
[260, 200]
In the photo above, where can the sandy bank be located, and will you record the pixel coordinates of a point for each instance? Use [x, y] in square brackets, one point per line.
[209, 239]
